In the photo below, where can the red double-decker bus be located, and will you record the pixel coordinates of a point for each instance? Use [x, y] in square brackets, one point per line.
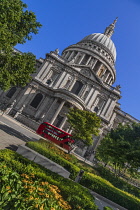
[56, 135]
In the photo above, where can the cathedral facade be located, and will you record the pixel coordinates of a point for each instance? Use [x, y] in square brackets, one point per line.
[82, 77]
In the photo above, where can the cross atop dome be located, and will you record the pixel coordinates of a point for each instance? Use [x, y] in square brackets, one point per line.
[110, 29]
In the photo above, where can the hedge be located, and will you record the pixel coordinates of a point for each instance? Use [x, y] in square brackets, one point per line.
[57, 156]
[117, 181]
[106, 189]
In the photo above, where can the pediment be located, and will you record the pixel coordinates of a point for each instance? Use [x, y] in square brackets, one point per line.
[87, 72]
[90, 74]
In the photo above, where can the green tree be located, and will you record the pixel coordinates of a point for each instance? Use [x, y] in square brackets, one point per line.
[17, 25]
[121, 147]
[85, 124]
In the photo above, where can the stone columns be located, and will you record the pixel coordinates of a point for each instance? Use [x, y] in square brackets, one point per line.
[106, 107]
[89, 95]
[67, 54]
[82, 59]
[110, 108]
[42, 69]
[93, 64]
[92, 99]
[76, 57]
[88, 60]
[54, 102]
[46, 72]
[110, 79]
[57, 112]
[63, 122]
[41, 108]
[61, 80]
[107, 77]
[71, 56]
[84, 91]
[112, 119]
[72, 84]
[101, 65]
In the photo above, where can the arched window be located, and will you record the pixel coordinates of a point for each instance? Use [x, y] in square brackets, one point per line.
[36, 101]
[11, 92]
[77, 87]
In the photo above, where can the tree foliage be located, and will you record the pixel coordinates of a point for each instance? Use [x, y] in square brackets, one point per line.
[17, 25]
[84, 125]
[121, 147]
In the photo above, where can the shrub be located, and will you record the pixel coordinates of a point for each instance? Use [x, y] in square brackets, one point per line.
[117, 181]
[59, 157]
[72, 193]
[22, 191]
[106, 189]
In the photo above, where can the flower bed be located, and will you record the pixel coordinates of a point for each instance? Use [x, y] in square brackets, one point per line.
[38, 188]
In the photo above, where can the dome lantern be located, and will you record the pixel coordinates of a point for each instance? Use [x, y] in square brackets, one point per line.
[110, 29]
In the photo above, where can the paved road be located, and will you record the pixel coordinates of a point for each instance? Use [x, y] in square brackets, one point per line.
[13, 133]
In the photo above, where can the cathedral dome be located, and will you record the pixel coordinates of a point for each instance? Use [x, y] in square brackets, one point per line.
[104, 41]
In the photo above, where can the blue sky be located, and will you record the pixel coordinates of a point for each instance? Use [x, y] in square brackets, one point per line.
[66, 22]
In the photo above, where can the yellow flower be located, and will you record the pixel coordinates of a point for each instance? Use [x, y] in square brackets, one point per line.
[42, 207]
[30, 191]
[54, 186]
[36, 206]
[40, 193]
[32, 188]
[26, 176]
[8, 187]
[44, 183]
[31, 198]
[47, 196]
[25, 186]
[41, 189]
[24, 180]
[23, 174]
